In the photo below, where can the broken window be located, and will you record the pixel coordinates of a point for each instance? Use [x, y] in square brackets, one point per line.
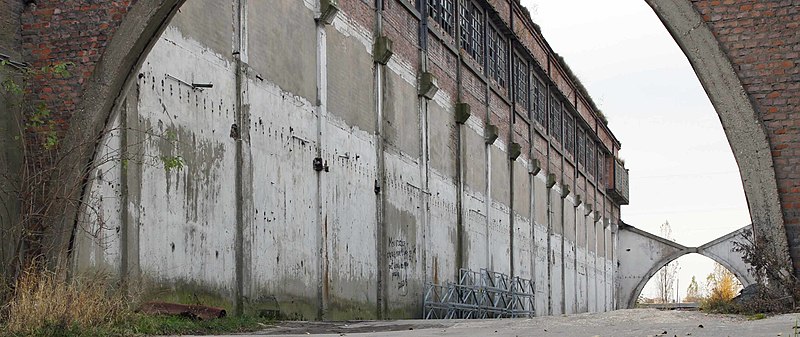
[441, 11]
[496, 60]
[472, 30]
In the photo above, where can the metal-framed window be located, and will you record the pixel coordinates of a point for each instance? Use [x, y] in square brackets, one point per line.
[521, 81]
[442, 11]
[471, 18]
[601, 166]
[555, 118]
[569, 132]
[496, 58]
[540, 102]
[590, 157]
[581, 147]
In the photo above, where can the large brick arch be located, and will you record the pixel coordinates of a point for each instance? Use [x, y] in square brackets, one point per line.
[743, 52]
[106, 42]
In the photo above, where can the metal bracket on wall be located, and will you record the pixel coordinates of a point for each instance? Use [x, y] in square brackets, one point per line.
[320, 166]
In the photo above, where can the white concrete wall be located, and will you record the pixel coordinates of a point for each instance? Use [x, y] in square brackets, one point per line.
[311, 241]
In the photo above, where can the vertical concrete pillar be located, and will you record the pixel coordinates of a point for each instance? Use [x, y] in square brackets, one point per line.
[323, 286]
[244, 173]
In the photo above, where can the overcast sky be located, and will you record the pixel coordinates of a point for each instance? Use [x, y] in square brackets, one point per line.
[682, 169]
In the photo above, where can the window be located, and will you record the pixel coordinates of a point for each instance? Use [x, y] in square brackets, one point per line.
[441, 11]
[555, 118]
[521, 82]
[569, 132]
[581, 147]
[472, 30]
[540, 102]
[601, 165]
[590, 161]
[496, 58]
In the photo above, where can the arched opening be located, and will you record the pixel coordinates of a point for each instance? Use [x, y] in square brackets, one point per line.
[101, 114]
[689, 279]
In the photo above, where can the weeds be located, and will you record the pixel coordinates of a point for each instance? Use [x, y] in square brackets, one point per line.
[42, 302]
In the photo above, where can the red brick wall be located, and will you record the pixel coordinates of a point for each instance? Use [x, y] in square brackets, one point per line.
[74, 31]
[762, 40]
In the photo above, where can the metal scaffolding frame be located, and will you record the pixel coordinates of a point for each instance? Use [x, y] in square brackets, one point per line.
[481, 294]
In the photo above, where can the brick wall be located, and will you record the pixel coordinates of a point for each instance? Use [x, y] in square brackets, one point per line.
[74, 31]
[762, 40]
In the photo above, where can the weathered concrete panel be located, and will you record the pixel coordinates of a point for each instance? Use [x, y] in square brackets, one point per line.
[100, 223]
[476, 242]
[284, 51]
[216, 31]
[404, 221]
[475, 160]
[401, 115]
[570, 278]
[284, 193]
[443, 145]
[350, 77]
[186, 216]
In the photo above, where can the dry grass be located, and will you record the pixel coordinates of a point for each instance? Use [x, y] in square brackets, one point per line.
[42, 301]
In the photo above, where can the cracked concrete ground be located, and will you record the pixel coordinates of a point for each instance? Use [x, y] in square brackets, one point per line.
[621, 323]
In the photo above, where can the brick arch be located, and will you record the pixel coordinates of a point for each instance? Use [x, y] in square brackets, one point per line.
[134, 27]
[701, 39]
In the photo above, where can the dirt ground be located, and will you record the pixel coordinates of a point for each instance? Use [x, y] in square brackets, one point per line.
[621, 323]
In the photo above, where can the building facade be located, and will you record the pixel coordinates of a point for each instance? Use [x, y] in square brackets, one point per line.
[329, 159]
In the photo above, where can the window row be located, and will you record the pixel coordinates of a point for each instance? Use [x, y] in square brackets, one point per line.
[478, 36]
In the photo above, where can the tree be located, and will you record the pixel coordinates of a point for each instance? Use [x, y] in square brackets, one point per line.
[669, 273]
[693, 293]
[722, 284]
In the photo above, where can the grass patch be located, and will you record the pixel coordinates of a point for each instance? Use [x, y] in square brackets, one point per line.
[172, 325]
[44, 304]
[757, 316]
[145, 325]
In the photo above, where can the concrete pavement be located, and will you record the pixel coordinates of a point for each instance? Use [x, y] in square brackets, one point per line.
[621, 323]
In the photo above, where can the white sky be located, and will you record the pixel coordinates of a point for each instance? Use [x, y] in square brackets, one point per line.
[682, 169]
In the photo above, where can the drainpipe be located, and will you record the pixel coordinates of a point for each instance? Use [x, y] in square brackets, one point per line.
[380, 182]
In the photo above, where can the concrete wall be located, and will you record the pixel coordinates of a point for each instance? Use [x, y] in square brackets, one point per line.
[402, 196]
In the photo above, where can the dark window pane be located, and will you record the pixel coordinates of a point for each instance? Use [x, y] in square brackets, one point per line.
[581, 147]
[521, 77]
[441, 11]
[569, 132]
[471, 19]
[496, 62]
[555, 118]
[540, 95]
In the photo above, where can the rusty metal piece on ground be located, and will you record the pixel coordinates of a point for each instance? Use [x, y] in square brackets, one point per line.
[192, 311]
